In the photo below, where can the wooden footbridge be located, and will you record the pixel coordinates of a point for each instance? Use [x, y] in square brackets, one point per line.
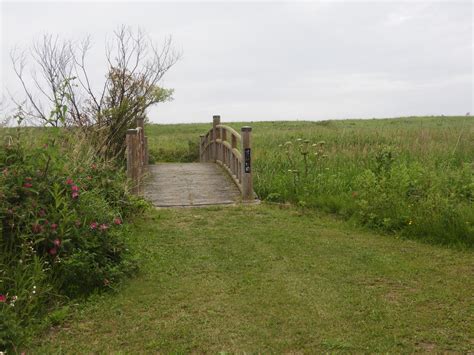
[223, 175]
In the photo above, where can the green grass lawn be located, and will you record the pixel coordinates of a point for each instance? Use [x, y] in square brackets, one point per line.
[267, 278]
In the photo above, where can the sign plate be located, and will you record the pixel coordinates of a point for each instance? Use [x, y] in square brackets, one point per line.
[247, 161]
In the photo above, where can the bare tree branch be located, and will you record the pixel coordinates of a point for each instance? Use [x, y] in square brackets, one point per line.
[62, 80]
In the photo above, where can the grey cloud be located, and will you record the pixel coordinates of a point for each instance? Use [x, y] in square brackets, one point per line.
[250, 61]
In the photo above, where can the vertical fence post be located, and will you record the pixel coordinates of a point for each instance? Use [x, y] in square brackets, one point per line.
[216, 120]
[223, 147]
[209, 147]
[201, 143]
[132, 155]
[141, 143]
[247, 183]
[129, 144]
[139, 160]
[232, 156]
[145, 144]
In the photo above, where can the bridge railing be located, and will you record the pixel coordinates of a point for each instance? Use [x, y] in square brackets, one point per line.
[137, 156]
[225, 146]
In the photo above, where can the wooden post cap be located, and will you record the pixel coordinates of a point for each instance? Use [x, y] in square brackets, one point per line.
[132, 131]
[246, 129]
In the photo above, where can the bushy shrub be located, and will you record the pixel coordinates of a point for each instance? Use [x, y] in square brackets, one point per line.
[61, 227]
[408, 197]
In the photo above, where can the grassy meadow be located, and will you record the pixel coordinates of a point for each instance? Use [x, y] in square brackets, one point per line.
[413, 176]
[272, 279]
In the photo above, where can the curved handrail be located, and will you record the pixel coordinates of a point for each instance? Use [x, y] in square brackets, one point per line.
[221, 144]
[230, 130]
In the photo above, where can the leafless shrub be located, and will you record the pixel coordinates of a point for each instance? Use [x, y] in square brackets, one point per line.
[59, 89]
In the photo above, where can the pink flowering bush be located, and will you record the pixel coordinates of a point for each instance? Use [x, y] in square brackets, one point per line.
[61, 231]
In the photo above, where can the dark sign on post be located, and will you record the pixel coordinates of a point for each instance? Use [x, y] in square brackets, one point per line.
[247, 160]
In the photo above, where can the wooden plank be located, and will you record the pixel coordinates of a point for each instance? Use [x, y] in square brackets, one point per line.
[190, 184]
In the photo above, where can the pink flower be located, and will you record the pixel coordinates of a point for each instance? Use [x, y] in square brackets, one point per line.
[3, 298]
[69, 181]
[42, 213]
[53, 251]
[117, 221]
[54, 226]
[27, 185]
[74, 195]
[57, 242]
[103, 227]
[94, 225]
[75, 188]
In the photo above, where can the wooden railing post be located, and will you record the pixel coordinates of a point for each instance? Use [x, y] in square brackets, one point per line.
[132, 155]
[129, 144]
[223, 135]
[216, 120]
[141, 143]
[233, 159]
[137, 155]
[206, 148]
[201, 143]
[146, 152]
[247, 183]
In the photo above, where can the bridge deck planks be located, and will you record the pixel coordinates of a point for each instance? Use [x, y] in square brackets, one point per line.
[189, 184]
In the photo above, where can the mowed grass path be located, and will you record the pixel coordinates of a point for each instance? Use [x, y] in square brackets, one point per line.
[265, 278]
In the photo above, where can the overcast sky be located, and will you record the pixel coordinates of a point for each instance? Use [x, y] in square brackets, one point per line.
[279, 60]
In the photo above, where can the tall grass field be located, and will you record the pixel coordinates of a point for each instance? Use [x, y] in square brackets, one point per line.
[412, 176]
